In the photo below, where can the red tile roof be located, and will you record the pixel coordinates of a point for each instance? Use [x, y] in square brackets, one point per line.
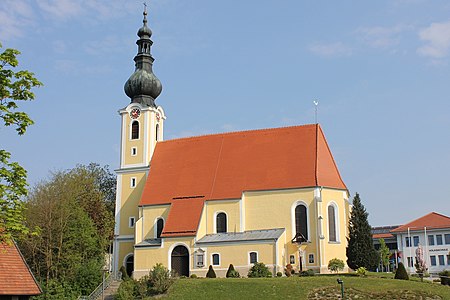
[183, 218]
[432, 220]
[223, 166]
[15, 277]
[383, 236]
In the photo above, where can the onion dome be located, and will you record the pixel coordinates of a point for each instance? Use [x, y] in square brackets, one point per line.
[143, 86]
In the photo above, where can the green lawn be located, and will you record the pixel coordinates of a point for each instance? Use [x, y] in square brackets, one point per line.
[299, 288]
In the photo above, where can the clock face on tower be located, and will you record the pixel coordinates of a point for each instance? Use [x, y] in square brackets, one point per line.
[135, 113]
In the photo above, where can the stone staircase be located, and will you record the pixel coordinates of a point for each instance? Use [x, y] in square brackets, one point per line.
[111, 290]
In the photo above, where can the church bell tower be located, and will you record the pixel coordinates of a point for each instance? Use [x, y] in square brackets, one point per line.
[142, 126]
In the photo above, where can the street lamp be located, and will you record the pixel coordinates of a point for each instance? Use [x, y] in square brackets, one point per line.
[339, 281]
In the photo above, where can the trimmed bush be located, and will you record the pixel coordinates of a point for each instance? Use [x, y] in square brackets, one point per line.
[126, 290]
[445, 280]
[232, 273]
[336, 265]
[401, 272]
[193, 276]
[361, 271]
[279, 274]
[211, 273]
[308, 272]
[123, 270]
[259, 269]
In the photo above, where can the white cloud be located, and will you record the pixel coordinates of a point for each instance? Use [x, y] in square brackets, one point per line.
[330, 50]
[61, 9]
[14, 16]
[437, 40]
[382, 37]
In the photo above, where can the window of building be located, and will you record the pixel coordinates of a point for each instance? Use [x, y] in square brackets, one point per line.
[448, 259]
[332, 223]
[431, 240]
[221, 222]
[133, 182]
[410, 261]
[159, 227]
[301, 221]
[157, 132]
[408, 241]
[131, 222]
[253, 256]
[447, 239]
[438, 239]
[133, 151]
[135, 130]
[433, 260]
[215, 259]
[311, 258]
[292, 259]
[416, 240]
[441, 260]
[200, 259]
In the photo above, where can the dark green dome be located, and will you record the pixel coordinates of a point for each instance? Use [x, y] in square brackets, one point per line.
[143, 83]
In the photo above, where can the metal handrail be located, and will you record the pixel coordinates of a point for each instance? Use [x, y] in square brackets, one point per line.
[102, 286]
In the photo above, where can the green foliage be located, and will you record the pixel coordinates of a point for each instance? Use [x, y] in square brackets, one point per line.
[211, 273]
[445, 277]
[279, 274]
[401, 272]
[360, 250]
[74, 226]
[384, 254]
[308, 272]
[123, 270]
[232, 273]
[159, 279]
[336, 265]
[14, 86]
[126, 290]
[361, 271]
[194, 276]
[259, 269]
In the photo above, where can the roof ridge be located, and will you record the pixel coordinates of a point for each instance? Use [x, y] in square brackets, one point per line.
[236, 132]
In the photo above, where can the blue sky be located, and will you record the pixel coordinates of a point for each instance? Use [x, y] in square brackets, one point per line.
[379, 69]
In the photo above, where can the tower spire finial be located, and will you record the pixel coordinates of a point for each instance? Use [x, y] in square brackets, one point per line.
[145, 13]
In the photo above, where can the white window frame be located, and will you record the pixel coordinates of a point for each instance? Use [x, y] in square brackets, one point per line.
[313, 258]
[131, 130]
[155, 225]
[199, 253]
[292, 261]
[248, 257]
[133, 151]
[294, 205]
[336, 223]
[215, 220]
[212, 260]
[131, 222]
[133, 182]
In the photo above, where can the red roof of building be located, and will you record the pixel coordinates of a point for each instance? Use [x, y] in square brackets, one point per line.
[15, 276]
[183, 218]
[383, 236]
[430, 221]
[223, 166]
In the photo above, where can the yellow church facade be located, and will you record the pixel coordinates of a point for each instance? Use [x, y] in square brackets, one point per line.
[272, 195]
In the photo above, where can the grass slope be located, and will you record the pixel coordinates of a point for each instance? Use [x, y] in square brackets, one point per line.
[301, 287]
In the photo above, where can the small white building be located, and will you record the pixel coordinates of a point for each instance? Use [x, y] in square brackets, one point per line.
[432, 232]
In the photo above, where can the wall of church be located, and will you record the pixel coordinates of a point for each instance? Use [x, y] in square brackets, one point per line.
[130, 197]
[150, 214]
[125, 248]
[232, 210]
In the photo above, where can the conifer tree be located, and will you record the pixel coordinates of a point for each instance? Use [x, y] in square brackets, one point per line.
[360, 250]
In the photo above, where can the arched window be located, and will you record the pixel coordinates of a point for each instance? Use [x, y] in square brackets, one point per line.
[135, 130]
[301, 221]
[221, 222]
[157, 132]
[332, 233]
[216, 259]
[253, 257]
[159, 227]
[129, 265]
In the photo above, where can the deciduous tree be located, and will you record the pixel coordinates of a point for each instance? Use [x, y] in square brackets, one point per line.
[15, 86]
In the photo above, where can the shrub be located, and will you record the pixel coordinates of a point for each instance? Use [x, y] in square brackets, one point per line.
[232, 273]
[308, 272]
[279, 274]
[445, 280]
[336, 265]
[126, 290]
[401, 272]
[288, 270]
[124, 273]
[259, 270]
[193, 276]
[361, 271]
[269, 275]
[211, 273]
[159, 279]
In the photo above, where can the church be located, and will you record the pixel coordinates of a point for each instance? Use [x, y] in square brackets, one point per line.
[270, 195]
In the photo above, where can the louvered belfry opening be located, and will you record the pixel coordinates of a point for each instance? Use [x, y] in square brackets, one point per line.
[135, 130]
[180, 260]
